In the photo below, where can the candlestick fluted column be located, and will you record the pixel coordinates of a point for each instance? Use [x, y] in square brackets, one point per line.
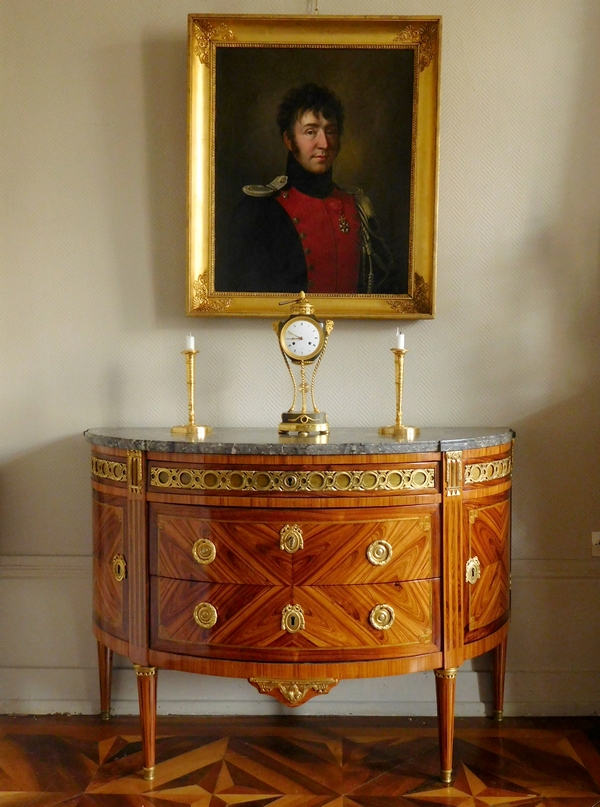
[191, 428]
[398, 429]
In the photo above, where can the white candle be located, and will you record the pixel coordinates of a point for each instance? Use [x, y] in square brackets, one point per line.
[399, 340]
[189, 342]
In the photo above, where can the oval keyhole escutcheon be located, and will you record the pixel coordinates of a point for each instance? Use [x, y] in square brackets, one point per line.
[473, 570]
[119, 567]
[292, 618]
[291, 538]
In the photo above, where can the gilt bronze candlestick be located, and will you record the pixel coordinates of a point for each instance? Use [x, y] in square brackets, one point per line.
[398, 429]
[191, 429]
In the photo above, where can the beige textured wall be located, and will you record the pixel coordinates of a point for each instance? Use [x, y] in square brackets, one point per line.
[92, 262]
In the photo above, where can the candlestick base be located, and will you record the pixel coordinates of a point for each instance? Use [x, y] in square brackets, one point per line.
[191, 430]
[401, 432]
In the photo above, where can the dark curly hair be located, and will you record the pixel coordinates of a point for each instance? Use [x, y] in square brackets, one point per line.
[308, 98]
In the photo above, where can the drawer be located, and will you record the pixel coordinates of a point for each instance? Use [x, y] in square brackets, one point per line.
[339, 622]
[378, 550]
[332, 547]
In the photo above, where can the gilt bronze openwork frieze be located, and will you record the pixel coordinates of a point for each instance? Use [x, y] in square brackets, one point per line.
[293, 481]
[109, 469]
[487, 471]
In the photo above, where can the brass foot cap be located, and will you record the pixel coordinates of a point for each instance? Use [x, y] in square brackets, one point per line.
[149, 773]
[498, 715]
[446, 776]
[105, 714]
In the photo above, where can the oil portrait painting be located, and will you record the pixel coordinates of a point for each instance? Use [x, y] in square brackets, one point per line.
[313, 165]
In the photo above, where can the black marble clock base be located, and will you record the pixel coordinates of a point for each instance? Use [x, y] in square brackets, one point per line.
[303, 424]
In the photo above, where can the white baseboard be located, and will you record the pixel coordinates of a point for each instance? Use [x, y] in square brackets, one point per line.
[75, 691]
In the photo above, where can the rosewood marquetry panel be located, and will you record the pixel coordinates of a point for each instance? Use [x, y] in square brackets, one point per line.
[338, 619]
[487, 531]
[110, 596]
[402, 547]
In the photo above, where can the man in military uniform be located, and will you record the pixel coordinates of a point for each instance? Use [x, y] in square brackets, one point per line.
[302, 232]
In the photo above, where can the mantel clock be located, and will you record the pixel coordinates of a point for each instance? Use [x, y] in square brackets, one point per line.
[302, 340]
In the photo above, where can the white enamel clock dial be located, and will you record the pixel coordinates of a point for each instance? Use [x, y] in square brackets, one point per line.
[301, 338]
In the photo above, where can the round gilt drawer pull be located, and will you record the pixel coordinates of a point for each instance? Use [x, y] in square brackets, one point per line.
[291, 538]
[473, 570]
[204, 551]
[379, 553]
[119, 567]
[205, 615]
[382, 617]
[292, 618]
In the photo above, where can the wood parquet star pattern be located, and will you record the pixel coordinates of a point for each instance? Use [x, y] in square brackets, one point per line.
[298, 762]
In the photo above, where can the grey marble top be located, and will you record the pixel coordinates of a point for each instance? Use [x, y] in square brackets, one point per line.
[267, 441]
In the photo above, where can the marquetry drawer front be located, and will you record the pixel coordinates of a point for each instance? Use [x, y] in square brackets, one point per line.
[198, 543]
[111, 585]
[284, 546]
[379, 550]
[306, 623]
[487, 594]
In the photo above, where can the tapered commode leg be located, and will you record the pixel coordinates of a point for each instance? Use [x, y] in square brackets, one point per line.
[445, 686]
[146, 681]
[498, 673]
[105, 661]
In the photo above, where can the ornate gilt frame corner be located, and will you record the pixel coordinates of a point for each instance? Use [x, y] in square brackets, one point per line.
[206, 35]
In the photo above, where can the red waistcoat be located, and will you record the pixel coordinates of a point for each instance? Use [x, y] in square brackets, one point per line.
[330, 233]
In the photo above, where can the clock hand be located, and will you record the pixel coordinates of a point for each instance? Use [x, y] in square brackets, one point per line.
[293, 336]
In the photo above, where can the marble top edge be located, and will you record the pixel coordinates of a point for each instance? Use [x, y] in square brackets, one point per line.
[266, 441]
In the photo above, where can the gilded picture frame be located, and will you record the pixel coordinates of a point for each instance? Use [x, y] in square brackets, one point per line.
[385, 71]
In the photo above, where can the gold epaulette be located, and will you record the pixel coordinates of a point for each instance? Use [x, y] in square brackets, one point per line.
[354, 190]
[266, 190]
[362, 202]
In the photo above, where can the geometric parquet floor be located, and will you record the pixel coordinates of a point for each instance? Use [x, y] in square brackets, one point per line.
[298, 762]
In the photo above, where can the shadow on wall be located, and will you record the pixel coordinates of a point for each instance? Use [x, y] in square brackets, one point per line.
[556, 481]
[45, 505]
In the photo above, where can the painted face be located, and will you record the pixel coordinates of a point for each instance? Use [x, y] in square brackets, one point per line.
[316, 142]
